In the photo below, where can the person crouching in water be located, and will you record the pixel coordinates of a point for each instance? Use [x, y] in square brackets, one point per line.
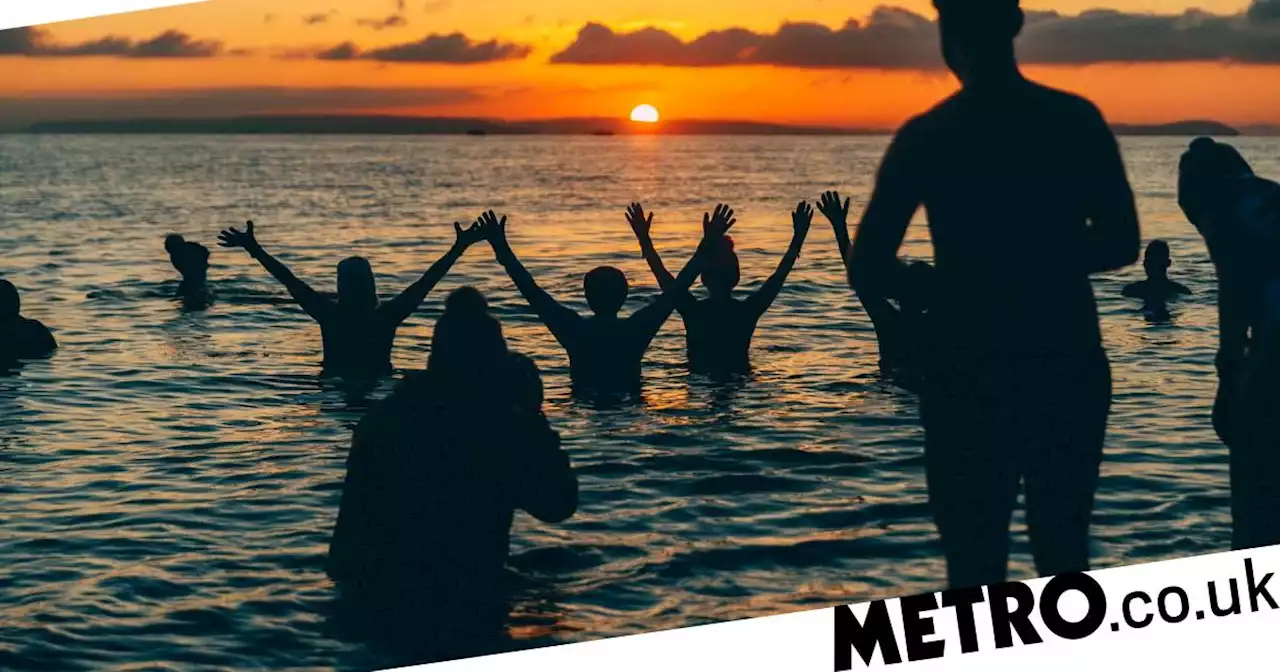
[435, 474]
[1238, 214]
[20, 337]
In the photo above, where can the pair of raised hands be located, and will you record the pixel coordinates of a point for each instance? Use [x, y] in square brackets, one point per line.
[716, 223]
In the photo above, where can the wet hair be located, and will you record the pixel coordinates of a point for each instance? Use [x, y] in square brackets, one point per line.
[173, 242]
[466, 300]
[526, 383]
[606, 289]
[355, 282]
[10, 302]
[467, 341]
[722, 271]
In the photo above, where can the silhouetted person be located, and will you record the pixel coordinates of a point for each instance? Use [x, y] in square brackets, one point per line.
[191, 260]
[1238, 214]
[1026, 196]
[605, 350]
[20, 337]
[901, 329]
[357, 331]
[1157, 289]
[718, 329]
[435, 475]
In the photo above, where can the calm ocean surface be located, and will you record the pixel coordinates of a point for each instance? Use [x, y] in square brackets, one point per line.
[169, 480]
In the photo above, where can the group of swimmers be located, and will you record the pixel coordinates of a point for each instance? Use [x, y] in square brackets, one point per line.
[1004, 347]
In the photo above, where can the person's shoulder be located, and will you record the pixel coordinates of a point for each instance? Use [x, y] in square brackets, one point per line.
[1070, 107]
[1135, 288]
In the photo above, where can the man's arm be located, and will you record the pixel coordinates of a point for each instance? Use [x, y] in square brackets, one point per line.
[307, 298]
[837, 213]
[1115, 240]
[402, 306]
[642, 225]
[763, 297]
[561, 321]
[873, 264]
[651, 318]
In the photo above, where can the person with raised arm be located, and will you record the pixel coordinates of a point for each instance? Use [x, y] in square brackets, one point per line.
[1027, 196]
[605, 350]
[718, 329]
[1238, 214]
[357, 330]
[899, 329]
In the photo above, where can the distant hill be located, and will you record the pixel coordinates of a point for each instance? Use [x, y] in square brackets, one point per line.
[1177, 128]
[393, 125]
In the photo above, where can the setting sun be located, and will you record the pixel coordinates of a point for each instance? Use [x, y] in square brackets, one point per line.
[645, 114]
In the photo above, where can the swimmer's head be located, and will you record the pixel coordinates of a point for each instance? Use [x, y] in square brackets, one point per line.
[978, 34]
[172, 243]
[1157, 260]
[466, 301]
[722, 272]
[606, 289]
[1205, 171]
[356, 288]
[467, 343]
[10, 302]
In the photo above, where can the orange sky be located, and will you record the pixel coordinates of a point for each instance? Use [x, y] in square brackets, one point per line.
[532, 87]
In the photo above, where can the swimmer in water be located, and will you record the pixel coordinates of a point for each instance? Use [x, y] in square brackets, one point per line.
[1157, 289]
[718, 329]
[605, 350]
[434, 476]
[191, 260]
[1017, 385]
[20, 337]
[899, 329]
[1238, 214]
[357, 330]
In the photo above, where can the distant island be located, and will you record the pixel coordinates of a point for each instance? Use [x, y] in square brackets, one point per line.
[398, 125]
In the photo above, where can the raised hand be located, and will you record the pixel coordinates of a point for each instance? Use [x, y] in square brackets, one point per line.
[493, 229]
[235, 238]
[718, 223]
[802, 218]
[468, 236]
[638, 221]
[835, 212]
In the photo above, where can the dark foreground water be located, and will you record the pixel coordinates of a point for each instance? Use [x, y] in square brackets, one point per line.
[169, 480]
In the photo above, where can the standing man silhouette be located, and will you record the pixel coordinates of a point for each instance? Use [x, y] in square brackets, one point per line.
[1026, 196]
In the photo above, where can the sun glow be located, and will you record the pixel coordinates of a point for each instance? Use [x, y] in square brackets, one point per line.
[645, 114]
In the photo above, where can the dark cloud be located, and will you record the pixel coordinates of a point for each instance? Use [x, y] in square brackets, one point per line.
[225, 102]
[35, 42]
[455, 48]
[318, 18]
[393, 21]
[894, 38]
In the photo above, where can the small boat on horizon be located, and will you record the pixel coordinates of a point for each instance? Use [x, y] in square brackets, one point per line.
[477, 131]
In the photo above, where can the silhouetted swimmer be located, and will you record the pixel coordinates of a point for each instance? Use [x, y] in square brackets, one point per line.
[435, 474]
[191, 260]
[718, 329]
[20, 337]
[901, 329]
[1157, 289]
[357, 331]
[605, 351]
[1238, 214]
[1017, 387]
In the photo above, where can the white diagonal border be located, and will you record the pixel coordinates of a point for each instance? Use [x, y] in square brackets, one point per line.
[22, 13]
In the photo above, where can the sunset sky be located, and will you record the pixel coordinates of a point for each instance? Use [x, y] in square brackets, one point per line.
[790, 61]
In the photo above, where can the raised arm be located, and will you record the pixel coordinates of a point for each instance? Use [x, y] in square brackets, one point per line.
[1114, 237]
[838, 214]
[801, 219]
[402, 306]
[642, 225]
[652, 316]
[561, 321]
[307, 298]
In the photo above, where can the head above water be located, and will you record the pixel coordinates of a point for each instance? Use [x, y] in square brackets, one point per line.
[356, 286]
[978, 35]
[722, 272]
[1205, 172]
[606, 289]
[467, 340]
[1157, 260]
[189, 259]
[10, 302]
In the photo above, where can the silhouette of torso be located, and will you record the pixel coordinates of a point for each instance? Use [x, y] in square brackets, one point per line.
[606, 353]
[434, 477]
[356, 343]
[1155, 291]
[1005, 182]
[25, 338]
[718, 335]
